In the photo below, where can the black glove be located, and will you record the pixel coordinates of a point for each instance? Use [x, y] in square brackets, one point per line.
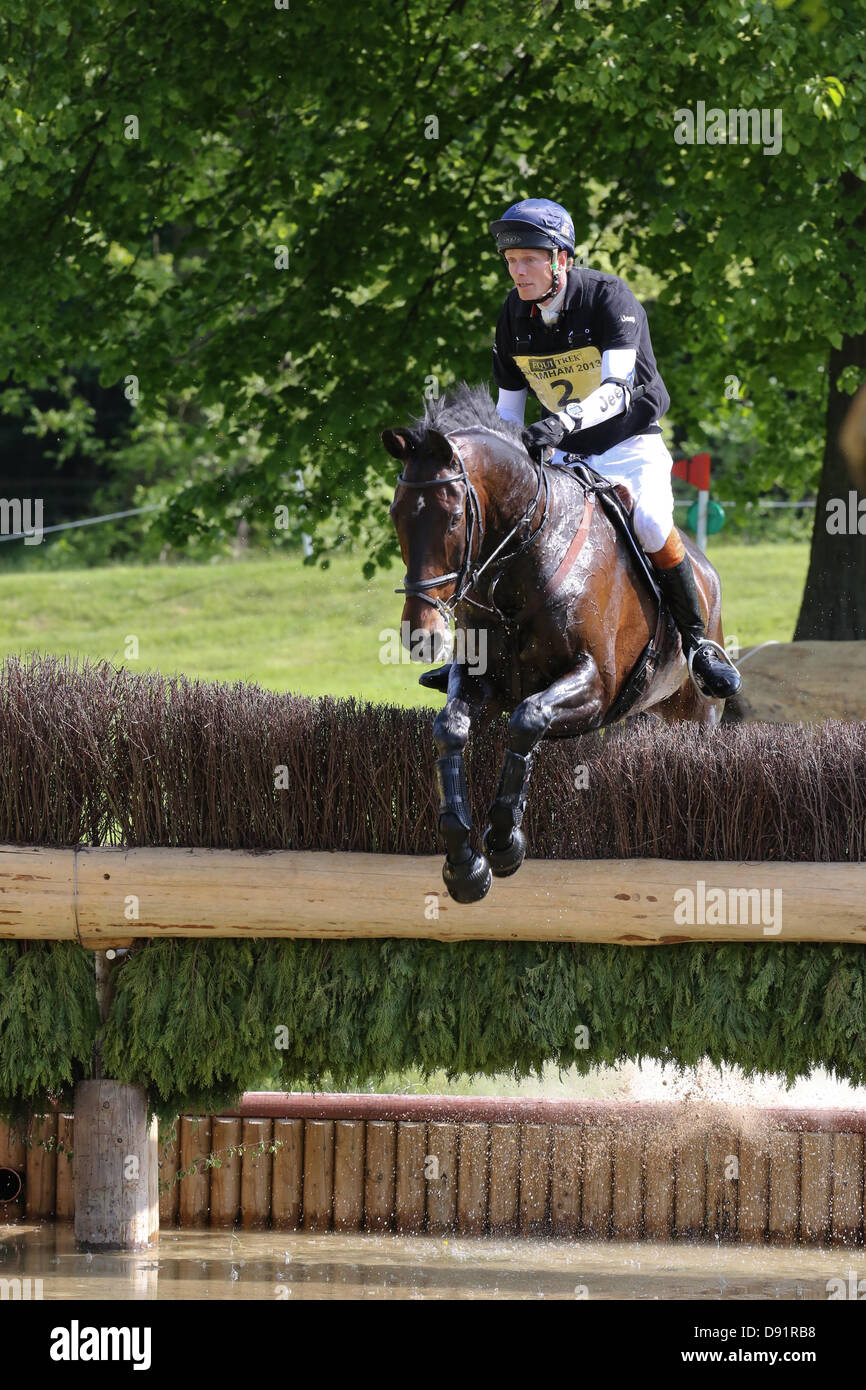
[543, 435]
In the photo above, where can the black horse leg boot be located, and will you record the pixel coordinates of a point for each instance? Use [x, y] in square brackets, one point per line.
[710, 667]
[437, 679]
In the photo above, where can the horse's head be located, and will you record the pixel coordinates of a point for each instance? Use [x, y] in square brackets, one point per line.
[429, 512]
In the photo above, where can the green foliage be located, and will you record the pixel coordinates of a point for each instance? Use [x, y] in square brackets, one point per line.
[198, 1022]
[48, 1021]
[156, 252]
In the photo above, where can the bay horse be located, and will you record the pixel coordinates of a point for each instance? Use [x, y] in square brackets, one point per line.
[524, 560]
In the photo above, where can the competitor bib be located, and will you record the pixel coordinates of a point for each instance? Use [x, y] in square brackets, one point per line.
[562, 376]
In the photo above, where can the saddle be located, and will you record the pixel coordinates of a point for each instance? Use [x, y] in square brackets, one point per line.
[618, 503]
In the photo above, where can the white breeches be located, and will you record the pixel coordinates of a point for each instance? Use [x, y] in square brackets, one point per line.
[644, 464]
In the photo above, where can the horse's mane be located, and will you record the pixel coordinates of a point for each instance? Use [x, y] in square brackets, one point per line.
[469, 407]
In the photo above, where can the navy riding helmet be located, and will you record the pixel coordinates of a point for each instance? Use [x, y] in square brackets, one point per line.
[534, 222]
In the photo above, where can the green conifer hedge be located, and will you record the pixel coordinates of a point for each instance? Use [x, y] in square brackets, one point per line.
[200, 1022]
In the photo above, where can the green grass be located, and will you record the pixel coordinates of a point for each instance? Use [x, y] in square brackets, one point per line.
[293, 627]
[762, 586]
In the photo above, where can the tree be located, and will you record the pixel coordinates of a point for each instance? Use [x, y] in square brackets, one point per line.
[321, 179]
[833, 605]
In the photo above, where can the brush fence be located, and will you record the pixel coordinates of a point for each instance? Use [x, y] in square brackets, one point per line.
[600, 1170]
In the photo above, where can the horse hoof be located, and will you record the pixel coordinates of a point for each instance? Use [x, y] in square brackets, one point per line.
[505, 862]
[469, 882]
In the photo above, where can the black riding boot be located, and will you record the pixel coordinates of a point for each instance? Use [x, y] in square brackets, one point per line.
[714, 674]
[437, 679]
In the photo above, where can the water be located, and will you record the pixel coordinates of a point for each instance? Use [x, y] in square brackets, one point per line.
[300, 1265]
[728, 1085]
[652, 1081]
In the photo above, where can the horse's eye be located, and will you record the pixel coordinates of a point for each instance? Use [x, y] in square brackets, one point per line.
[454, 522]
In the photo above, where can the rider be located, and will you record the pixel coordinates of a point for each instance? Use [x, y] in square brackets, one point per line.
[578, 340]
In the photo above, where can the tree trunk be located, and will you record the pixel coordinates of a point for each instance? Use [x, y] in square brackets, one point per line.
[834, 600]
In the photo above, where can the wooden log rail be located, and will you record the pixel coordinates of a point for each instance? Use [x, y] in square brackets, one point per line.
[108, 897]
[414, 1164]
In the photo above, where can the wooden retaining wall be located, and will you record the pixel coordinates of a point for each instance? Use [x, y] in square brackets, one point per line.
[603, 1170]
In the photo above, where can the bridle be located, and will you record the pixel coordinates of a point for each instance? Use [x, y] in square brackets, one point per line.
[466, 577]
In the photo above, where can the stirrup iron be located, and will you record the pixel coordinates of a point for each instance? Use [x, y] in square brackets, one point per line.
[707, 642]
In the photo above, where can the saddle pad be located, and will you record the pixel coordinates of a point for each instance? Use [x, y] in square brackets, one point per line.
[624, 496]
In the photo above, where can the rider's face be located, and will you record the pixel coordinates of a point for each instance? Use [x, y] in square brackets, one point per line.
[530, 270]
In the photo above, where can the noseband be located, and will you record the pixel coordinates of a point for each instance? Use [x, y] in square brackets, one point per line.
[466, 577]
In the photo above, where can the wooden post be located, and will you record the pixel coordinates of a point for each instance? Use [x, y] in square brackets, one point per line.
[195, 1147]
[565, 1168]
[784, 1217]
[816, 1176]
[754, 1189]
[659, 1181]
[42, 1168]
[596, 1196]
[225, 1176]
[722, 1163]
[64, 1206]
[349, 1175]
[379, 1175]
[847, 1205]
[503, 1203]
[256, 1176]
[534, 1178]
[411, 1192]
[691, 1189]
[442, 1189]
[116, 1202]
[628, 1182]
[318, 1174]
[288, 1175]
[169, 1189]
[472, 1179]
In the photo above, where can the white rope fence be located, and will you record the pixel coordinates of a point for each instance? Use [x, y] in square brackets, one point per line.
[88, 521]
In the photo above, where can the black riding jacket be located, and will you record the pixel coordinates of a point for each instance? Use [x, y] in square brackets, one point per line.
[562, 363]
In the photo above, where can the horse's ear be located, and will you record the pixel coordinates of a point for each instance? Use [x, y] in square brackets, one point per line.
[427, 445]
[439, 447]
[395, 443]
